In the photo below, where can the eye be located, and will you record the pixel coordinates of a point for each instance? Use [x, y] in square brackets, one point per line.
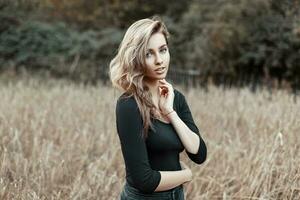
[148, 54]
[164, 50]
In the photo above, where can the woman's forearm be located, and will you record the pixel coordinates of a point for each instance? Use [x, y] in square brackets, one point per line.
[189, 139]
[171, 179]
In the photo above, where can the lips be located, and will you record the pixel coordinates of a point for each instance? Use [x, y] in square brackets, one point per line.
[160, 69]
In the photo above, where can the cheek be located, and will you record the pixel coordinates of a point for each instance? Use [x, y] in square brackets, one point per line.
[167, 57]
[148, 67]
[149, 62]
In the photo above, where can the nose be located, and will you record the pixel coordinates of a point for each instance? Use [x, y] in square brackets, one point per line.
[158, 60]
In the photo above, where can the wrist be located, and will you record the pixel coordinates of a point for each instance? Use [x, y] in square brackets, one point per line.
[168, 112]
[188, 175]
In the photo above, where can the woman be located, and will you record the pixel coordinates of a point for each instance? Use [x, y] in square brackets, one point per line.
[154, 122]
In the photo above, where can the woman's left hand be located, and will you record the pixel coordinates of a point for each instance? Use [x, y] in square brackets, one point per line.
[166, 96]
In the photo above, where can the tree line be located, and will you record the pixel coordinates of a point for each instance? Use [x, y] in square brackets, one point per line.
[224, 41]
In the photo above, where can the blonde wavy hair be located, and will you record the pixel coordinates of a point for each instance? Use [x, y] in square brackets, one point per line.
[127, 69]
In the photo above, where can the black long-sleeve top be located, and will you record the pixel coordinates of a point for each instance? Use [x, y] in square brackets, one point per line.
[160, 151]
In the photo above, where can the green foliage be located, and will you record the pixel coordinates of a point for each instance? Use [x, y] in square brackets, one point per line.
[41, 45]
[275, 47]
[33, 42]
[238, 39]
[234, 39]
[100, 14]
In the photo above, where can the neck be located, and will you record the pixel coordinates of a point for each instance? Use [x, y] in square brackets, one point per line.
[153, 86]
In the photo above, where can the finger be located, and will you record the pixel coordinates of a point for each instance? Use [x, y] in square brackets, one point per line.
[168, 88]
[166, 83]
[164, 87]
[163, 91]
[159, 90]
[169, 84]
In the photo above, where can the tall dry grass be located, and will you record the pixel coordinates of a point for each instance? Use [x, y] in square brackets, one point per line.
[58, 140]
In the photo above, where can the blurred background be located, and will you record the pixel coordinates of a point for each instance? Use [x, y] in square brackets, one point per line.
[230, 43]
[236, 61]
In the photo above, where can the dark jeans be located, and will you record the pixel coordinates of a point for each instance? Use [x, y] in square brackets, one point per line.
[131, 193]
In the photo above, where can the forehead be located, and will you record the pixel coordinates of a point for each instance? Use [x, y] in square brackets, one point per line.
[156, 40]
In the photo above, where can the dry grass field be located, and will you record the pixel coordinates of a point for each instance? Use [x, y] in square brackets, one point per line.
[58, 140]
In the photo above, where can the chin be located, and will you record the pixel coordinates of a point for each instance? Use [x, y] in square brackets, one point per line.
[162, 76]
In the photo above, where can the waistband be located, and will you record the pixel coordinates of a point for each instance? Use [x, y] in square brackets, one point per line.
[168, 193]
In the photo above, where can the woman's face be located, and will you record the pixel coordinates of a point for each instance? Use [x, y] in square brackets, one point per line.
[157, 57]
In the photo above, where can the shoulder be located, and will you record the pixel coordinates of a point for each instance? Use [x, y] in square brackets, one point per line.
[178, 95]
[177, 92]
[178, 100]
[126, 102]
[127, 109]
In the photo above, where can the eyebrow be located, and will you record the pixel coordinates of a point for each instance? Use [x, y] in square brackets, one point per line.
[159, 47]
